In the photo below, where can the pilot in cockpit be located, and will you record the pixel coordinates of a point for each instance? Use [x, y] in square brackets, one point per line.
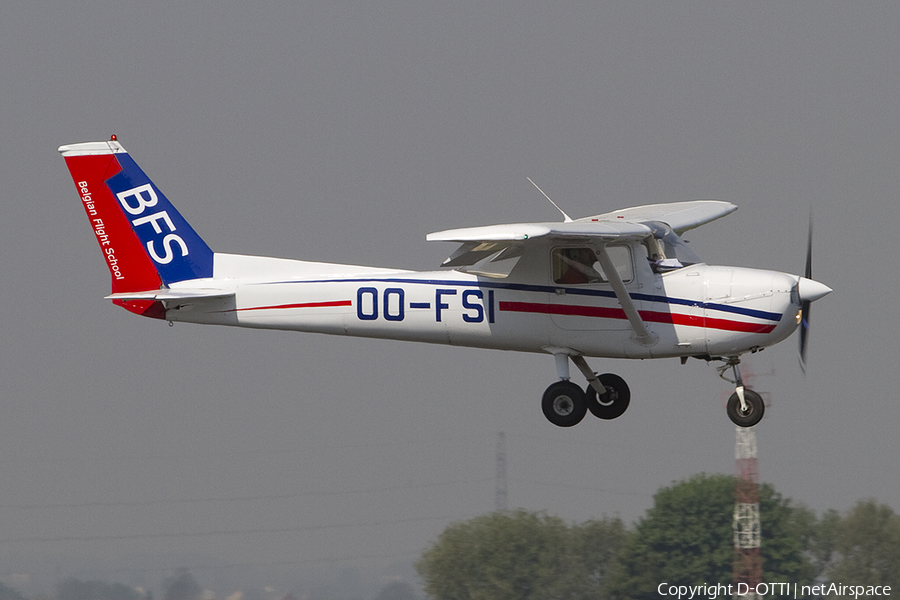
[660, 260]
[579, 266]
[660, 264]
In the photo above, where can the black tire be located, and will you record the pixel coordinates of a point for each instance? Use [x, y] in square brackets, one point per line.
[612, 404]
[755, 409]
[564, 404]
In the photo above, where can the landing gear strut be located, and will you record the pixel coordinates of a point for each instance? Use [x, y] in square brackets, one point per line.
[745, 407]
[565, 404]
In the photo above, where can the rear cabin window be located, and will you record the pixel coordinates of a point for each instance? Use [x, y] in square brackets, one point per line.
[486, 259]
[580, 265]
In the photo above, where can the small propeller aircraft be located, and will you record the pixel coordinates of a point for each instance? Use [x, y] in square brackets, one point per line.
[617, 285]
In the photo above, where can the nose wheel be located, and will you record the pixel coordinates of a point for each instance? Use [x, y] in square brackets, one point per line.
[747, 413]
[745, 407]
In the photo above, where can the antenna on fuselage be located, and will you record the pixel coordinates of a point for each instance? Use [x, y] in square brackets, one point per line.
[566, 218]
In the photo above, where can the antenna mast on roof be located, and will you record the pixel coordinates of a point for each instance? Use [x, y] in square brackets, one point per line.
[566, 218]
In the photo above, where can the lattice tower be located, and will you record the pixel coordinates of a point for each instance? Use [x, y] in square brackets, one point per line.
[747, 567]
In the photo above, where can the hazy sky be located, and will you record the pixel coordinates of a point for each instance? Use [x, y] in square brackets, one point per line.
[346, 131]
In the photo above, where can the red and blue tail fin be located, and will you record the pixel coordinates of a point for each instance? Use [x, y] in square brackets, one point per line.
[147, 244]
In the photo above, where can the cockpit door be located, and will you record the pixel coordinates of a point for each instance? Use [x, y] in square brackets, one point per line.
[583, 299]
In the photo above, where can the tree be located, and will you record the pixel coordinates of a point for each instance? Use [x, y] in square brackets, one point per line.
[686, 538]
[182, 586]
[863, 546]
[597, 546]
[516, 555]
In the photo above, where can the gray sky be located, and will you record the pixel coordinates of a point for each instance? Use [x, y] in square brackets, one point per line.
[346, 131]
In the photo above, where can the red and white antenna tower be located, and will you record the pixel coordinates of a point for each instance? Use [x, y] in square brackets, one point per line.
[747, 568]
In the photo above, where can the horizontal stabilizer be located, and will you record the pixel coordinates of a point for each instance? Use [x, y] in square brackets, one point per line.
[176, 294]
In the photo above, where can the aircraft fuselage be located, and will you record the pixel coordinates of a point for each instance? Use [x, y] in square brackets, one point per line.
[695, 311]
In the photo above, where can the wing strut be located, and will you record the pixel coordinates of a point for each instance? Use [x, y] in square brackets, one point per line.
[644, 336]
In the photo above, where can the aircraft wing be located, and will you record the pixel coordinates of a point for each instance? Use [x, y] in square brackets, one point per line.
[626, 223]
[680, 216]
[606, 231]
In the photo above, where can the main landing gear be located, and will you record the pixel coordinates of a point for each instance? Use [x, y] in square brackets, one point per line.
[565, 404]
[745, 407]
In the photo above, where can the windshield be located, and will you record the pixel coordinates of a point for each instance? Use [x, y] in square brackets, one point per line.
[666, 251]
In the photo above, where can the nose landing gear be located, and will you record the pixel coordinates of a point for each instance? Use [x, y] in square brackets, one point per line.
[745, 407]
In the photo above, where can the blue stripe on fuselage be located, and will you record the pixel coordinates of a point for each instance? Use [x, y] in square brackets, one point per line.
[525, 287]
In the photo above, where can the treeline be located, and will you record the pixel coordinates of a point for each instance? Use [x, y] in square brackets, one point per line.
[180, 586]
[183, 586]
[686, 538]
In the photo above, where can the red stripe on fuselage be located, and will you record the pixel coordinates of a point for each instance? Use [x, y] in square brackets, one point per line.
[328, 304]
[646, 315]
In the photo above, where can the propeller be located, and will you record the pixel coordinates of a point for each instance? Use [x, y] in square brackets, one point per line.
[808, 290]
[806, 304]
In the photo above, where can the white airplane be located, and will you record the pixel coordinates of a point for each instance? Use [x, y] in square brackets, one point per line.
[618, 285]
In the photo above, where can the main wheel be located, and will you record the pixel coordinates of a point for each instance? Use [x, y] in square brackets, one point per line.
[564, 404]
[611, 404]
[745, 418]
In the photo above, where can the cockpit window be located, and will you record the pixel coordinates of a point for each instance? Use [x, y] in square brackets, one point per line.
[579, 265]
[666, 251]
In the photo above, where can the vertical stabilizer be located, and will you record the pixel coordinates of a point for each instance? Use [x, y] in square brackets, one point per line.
[146, 243]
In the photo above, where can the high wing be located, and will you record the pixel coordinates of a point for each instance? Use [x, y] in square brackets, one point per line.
[607, 231]
[620, 225]
[623, 224]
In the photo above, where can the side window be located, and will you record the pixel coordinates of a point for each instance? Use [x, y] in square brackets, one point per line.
[579, 265]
